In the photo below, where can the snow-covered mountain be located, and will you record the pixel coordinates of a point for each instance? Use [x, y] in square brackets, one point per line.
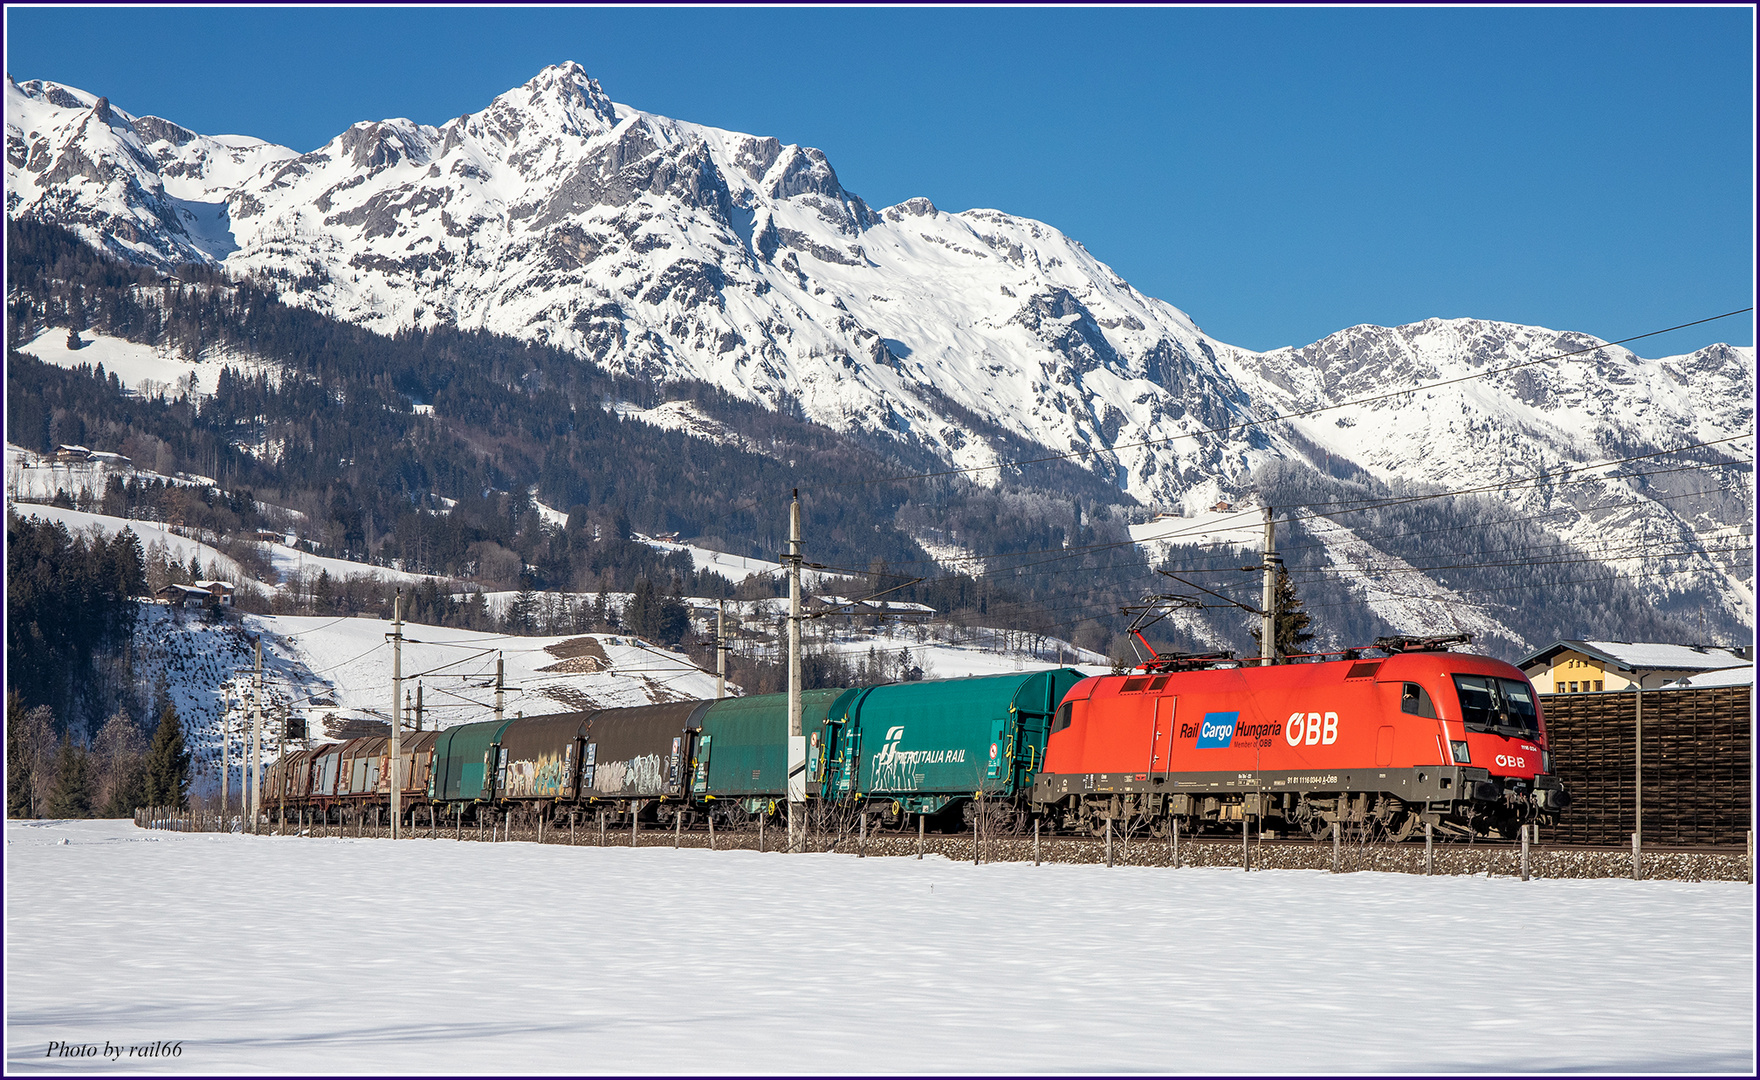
[671, 250]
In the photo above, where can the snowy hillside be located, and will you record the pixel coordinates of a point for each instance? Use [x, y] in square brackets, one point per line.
[142, 369]
[332, 671]
[668, 250]
[336, 670]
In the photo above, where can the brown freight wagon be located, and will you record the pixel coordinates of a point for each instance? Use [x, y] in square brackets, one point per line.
[417, 751]
[615, 758]
[291, 783]
[360, 769]
[540, 759]
[326, 766]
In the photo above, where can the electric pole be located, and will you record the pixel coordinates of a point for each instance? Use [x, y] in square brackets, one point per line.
[281, 771]
[225, 751]
[498, 671]
[720, 649]
[1268, 625]
[256, 778]
[797, 742]
[396, 712]
[418, 705]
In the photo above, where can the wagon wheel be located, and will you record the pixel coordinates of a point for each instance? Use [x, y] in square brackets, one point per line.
[1311, 822]
[1391, 822]
[1403, 825]
[1002, 819]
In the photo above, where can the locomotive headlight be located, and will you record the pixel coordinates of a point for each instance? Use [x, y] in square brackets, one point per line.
[1458, 750]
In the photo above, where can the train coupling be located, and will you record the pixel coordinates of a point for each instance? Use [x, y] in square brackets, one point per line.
[1549, 794]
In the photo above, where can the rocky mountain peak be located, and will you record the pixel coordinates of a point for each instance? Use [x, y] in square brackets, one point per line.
[566, 95]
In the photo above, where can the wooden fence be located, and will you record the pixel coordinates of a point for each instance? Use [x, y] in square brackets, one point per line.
[183, 819]
[1696, 768]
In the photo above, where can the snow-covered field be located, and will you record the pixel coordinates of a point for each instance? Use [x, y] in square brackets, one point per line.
[1243, 528]
[289, 562]
[987, 655]
[431, 956]
[735, 568]
[150, 533]
[32, 477]
[142, 369]
[351, 660]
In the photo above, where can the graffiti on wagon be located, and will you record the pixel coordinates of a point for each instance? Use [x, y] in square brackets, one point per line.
[639, 775]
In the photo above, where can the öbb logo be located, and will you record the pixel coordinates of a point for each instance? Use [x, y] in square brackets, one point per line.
[1511, 761]
[1312, 728]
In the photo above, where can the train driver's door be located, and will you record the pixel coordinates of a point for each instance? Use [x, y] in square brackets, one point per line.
[1161, 745]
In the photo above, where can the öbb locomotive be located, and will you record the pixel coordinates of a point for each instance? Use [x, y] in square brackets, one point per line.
[1375, 745]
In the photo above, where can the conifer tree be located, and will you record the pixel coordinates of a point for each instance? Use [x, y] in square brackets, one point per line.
[1290, 632]
[71, 797]
[168, 763]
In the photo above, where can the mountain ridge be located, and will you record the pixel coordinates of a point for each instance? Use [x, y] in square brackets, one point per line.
[662, 249]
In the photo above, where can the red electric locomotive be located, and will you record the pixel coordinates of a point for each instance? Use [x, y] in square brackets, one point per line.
[1377, 745]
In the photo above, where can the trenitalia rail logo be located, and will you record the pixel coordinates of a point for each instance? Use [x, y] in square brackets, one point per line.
[1217, 730]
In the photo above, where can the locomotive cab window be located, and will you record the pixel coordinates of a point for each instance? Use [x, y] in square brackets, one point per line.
[1062, 719]
[1503, 706]
[1414, 699]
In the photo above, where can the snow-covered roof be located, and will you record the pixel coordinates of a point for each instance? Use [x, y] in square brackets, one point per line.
[186, 590]
[1651, 655]
[1736, 676]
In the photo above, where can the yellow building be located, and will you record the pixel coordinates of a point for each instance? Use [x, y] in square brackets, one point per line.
[1588, 667]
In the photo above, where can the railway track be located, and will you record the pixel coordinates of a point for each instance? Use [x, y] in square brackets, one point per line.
[1461, 858]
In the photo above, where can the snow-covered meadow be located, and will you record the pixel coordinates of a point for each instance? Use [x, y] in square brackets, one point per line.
[302, 955]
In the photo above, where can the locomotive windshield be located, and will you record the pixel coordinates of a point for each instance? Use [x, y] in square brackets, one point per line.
[1504, 706]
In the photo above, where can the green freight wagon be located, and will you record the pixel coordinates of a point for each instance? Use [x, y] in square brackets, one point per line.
[927, 745]
[742, 752]
[461, 761]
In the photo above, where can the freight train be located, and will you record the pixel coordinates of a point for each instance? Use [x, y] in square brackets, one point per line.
[1374, 745]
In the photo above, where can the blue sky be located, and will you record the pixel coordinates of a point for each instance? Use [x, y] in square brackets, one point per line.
[1279, 174]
